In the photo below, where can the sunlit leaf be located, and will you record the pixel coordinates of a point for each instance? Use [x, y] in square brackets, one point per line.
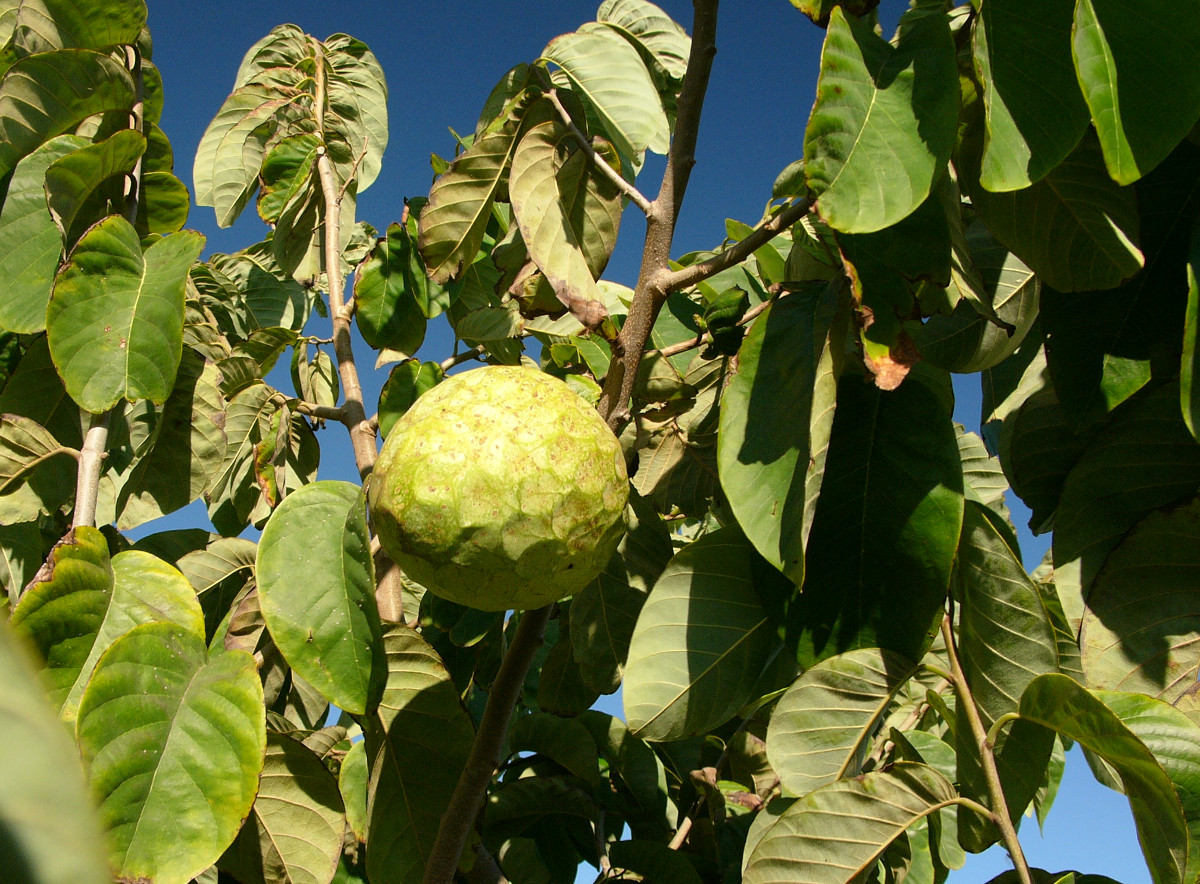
[91, 175]
[43, 25]
[883, 123]
[663, 43]
[316, 583]
[174, 743]
[407, 381]
[352, 783]
[115, 320]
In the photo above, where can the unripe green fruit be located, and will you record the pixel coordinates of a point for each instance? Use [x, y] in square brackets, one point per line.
[500, 489]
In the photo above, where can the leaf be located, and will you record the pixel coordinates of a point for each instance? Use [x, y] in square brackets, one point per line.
[556, 223]
[637, 768]
[560, 686]
[316, 585]
[51, 832]
[24, 446]
[188, 451]
[1057, 702]
[295, 830]
[21, 555]
[771, 455]
[174, 743]
[89, 178]
[1189, 374]
[1075, 228]
[64, 607]
[145, 589]
[43, 25]
[1035, 113]
[968, 341]
[418, 741]
[163, 203]
[233, 493]
[1145, 458]
[605, 612]
[404, 385]
[50, 93]
[1005, 639]
[231, 150]
[460, 203]
[654, 862]
[983, 478]
[822, 728]
[358, 97]
[387, 313]
[883, 123]
[662, 43]
[700, 642]
[1111, 45]
[352, 783]
[115, 321]
[489, 324]
[612, 80]
[1140, 632]
[886, 528]
[272, 297]
[30, 243]
[839, 831]
[564, 740]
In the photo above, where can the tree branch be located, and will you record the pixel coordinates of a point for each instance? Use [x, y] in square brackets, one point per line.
[650, 293]
[465, 356]
[739, 251]
[388, 594]
[635, 195]
[999, 813]
[459, 818]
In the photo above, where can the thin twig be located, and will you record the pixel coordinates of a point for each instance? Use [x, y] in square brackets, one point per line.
[459, 818]
[999, 814]
[635, 195]
[706, 337]
[465, 356]
[312, 409]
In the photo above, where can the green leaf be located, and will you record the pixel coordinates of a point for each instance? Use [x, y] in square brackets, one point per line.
[567, 233]
[65, 606]
[358, 97]
[488, 324]
[836, 833]
[654, 862]
[1005, 639]
[188, 451]
[388, 314]
[968, 341]
[1034, 111]
[887, 524]
[1189, 374]
[663, 44]
[24, 446]
[316, 583]
[115, 321]
[452, 224]
[1140, 632]
[287, 168]
[50, 830]
[82, 184]
[1111, 44]
[1145, 458]
[1057, 702]
[294, 832]
[406, 382]
[636, 769]
[611, 78]
[418, 741]
[1075, 228]
[174, 743]
[50, 93]
[30, 243]
[605, 612]
[1172, 739]
[565, 740]
[560, 685]
[271, 296]
[163, 204]
[983, 478]
[776, 417]
[883, 123]
[145, 590]
[43, 25]
[352, 783]
[21, 555]
[231, 150]
[700, 642]
[822, 727]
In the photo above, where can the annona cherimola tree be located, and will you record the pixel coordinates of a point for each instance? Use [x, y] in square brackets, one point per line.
[835, 667]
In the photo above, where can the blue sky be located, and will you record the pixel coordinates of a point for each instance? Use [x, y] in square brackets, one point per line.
[441, 60]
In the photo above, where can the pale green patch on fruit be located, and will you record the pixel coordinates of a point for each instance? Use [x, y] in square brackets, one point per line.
[500, 489]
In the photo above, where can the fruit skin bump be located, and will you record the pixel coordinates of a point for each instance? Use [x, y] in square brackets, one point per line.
[500, 489]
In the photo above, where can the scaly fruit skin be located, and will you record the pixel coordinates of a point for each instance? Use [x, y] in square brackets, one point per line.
[500, 489]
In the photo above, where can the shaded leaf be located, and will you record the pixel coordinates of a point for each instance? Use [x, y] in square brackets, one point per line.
[700, 642]
[352, 783]
[89, 179]
[387, 313]
[406, 382]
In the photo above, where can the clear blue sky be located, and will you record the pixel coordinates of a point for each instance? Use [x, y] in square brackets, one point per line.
[441, 60]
